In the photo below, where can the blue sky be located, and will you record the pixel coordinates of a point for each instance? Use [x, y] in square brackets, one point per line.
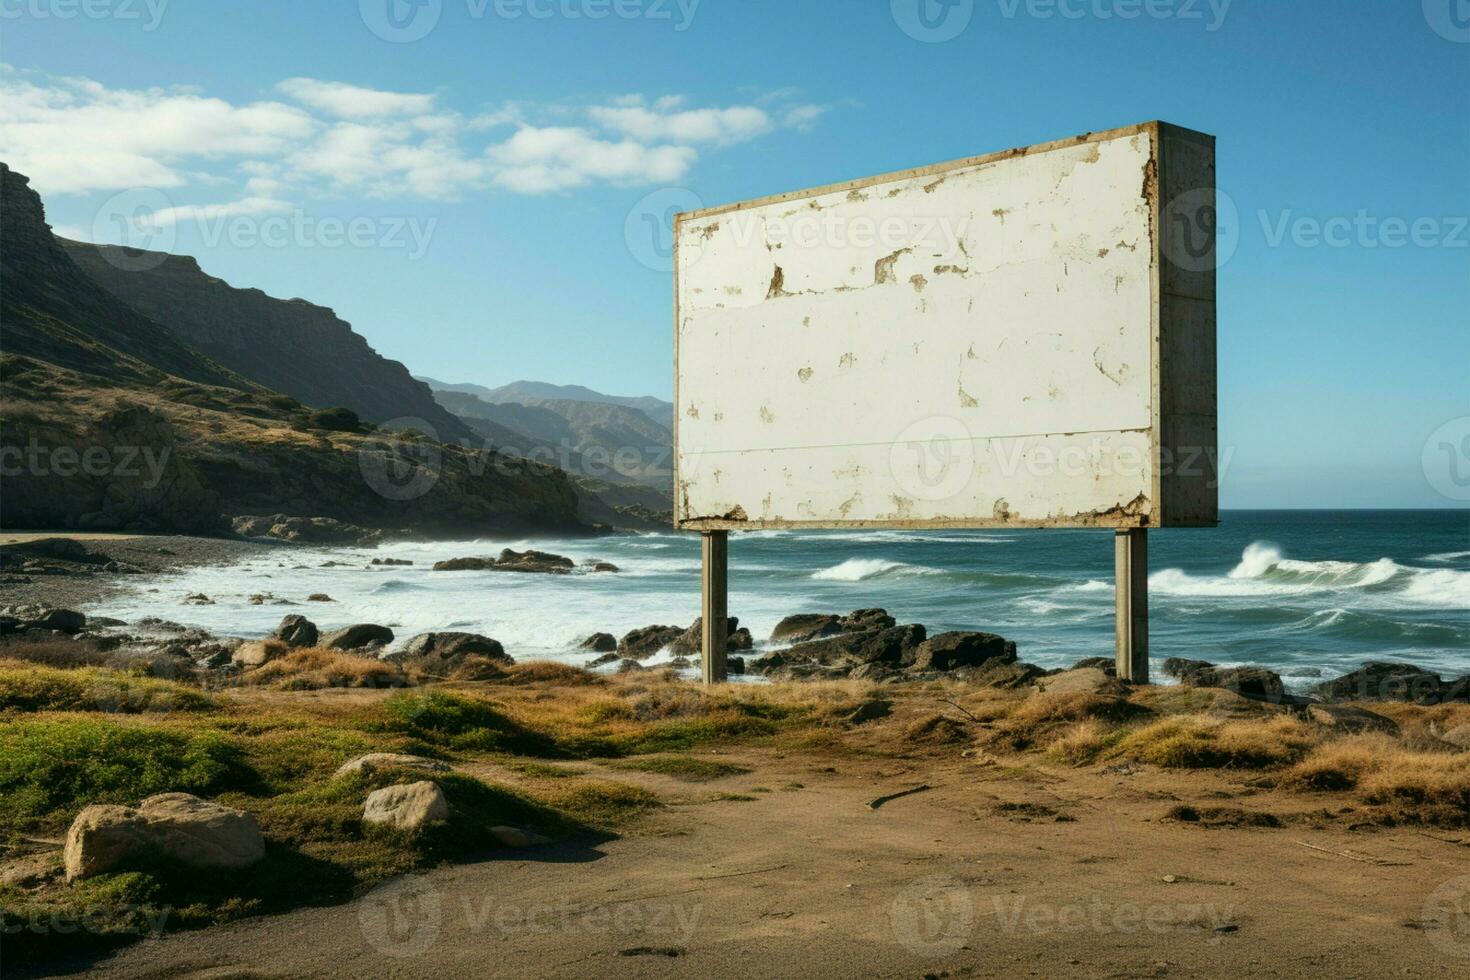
[490, 168]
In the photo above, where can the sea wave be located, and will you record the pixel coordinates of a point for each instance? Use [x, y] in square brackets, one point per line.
[1447, 557]
[862, 569]
[1264, 571]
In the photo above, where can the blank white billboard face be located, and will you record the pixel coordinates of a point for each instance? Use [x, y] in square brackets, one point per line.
[1020, 339]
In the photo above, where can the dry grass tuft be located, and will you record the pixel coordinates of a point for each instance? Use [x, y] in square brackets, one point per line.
[1405, 785]
[546, 672]
[315, 668]
[1208, 743]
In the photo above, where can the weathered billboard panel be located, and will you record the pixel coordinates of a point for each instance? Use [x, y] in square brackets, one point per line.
[1020, 339]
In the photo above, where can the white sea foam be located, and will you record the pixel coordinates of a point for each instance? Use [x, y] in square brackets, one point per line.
[1446, 557]
[1264, 571]
[862, 569]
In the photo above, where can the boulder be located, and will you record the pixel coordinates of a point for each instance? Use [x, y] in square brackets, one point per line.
[173, 826]
[1006, 676]
[198, 599]
[646, 641]
[61, 620]
[1256, 683]
[408, 808]
[319, 597]
[468, 656]
[360, 636]
[891, 645]
[961, 649]
[630, 667]
[1378, 681]
[605, 566]
[257, 653]
[600, 643]
[604, 660]
[379, 761]
[1081, 680]
[297, 631]
[1456, 691]
[396, 562]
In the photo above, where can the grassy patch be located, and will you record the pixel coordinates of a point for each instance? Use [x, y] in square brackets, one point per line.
[50, 769]
[683, 767]
[1203, 743]
[600, 803]
[33, 687]
[456, 721]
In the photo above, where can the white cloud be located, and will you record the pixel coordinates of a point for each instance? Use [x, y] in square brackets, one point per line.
[721, 126]
[535, 160]
[352, 101]
[249, 206]
[77, 136]
[72, 135]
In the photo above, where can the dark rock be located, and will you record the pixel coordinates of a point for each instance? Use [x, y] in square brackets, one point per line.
[391, 561]
[1378, 681]
[735, 666]
[692, 639]
[892, 645]
[534, 561]
[600, 643]
[961, 649]
[648, 640]
[1456, 691]
[605, 566]
[319, 597]
[604, 660]
[630, 667]
[360, 636]
[805, 626]
[870, 711]
[297, 631]
[464, 565]
[1256, 683]
[61, 620]
[468, 656]
[307, 530]
[198, 599]
[511, 561]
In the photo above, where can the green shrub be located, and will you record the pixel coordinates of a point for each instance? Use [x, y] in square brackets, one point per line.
[38, 688]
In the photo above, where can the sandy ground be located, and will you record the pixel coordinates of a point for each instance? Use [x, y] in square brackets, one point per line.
[151, 554]
[952, 882]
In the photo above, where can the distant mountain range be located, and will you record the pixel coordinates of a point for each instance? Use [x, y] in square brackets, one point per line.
[536, 392]
[251, 406]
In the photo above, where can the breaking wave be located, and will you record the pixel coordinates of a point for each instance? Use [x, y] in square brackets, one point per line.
[862, 569]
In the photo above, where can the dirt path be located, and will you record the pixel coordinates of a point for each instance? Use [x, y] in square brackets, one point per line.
[974, 877]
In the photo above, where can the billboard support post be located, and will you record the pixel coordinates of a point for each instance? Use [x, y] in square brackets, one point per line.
[714, 609]
[1131, 567]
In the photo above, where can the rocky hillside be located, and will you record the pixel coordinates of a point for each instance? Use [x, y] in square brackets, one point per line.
[54, 313]
[290, 346]
[108, 421]
[599, 440]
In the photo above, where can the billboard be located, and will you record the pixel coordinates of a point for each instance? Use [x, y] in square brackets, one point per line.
[1022, 339]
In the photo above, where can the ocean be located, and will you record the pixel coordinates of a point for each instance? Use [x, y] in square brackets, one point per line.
[1305, 593]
